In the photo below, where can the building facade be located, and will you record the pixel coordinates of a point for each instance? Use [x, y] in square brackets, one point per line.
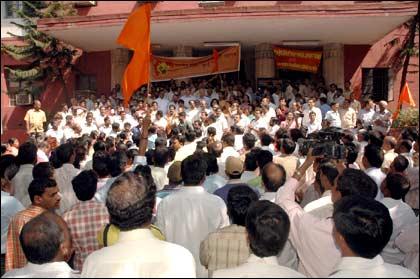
[354, 37]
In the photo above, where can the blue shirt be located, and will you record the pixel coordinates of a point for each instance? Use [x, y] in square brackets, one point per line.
[324, 109]
[224, 191]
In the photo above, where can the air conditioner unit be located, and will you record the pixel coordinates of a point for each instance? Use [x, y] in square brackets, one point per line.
[211, 3]
[84, 3]
[24, 99]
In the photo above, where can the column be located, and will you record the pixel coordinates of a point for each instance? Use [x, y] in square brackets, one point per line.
[182, 51]
[333, 64]
[264, 61]
[119, 61]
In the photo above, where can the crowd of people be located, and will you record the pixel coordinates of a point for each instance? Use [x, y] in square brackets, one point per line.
[212, 178]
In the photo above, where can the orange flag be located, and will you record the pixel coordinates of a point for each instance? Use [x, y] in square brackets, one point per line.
[405, 97]
[136, 36]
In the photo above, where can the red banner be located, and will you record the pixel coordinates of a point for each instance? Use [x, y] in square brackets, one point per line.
[297, 60]
[167, 68]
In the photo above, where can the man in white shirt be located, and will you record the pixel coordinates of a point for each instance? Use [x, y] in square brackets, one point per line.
[372, 160]
[362, 228]
[311, 107]
[389, 152]
[366, 114]
[264, 217]
[137, 253]
[311, 236]
[394, 188]
[27, 157]
[408, 242]
[323, 207]
[160, 158]
[354, 104]
[348, 116]
[64, 175]
[382, 119]
[333, 116]
[45, 241]
[56, 131]
[313, 126]
[9, 204]
[89, 126]
[162, 102]
[228, 141]
[332, 93]
[189, 215]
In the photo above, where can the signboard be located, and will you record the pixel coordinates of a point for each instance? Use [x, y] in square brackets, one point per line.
[167, 68]
[297, 60]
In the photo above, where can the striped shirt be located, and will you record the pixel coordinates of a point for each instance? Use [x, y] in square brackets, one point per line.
[224, 248]
[15, 258]
[85, 220]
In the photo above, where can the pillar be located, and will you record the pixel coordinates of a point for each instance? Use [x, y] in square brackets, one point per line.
[182, 51]
[119, 61]
[264, 61]
[333, 64]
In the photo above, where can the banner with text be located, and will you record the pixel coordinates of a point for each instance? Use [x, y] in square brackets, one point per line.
[167, 68]
[297, 60]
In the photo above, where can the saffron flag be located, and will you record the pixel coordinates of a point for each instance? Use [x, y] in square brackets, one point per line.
[136, 36]
[405, 97]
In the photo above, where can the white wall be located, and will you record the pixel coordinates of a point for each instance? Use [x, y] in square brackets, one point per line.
[6, 26]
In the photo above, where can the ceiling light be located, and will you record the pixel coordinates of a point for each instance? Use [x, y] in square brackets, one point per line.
[219, 44]
[301, 43]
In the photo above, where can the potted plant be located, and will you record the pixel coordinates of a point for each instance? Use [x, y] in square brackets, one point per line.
[408, 117]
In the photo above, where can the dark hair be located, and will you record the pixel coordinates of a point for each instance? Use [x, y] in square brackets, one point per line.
[365, 225]
[266, 139]
[400, 163]
[193, 170]
[40, 239]
[118, 162]
[211, 131]
[407, 144]
[160, 156]
[376, 138]
[264, 157]
[160, 142]
[215, 148]
[272, 182]
[249, 140]
[43, 170]
[212, 166]
[190, 136]
[239, 199]
[229, 139]
[355, 182]
[101, 163]
[149, 156]
[288, 146]
[296, 134]
[398, 185]
[330, 171]
[268, 226]
[130, 201]
[85, 185]
[81, 153]
[374, 155]
[64, 153]
[27, 154]
[6, 161]
[352, 153]
[37, 187]
[250, 163]
[99, 146]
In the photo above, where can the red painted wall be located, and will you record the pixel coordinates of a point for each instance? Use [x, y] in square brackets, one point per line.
[381, 54]
[95, 63]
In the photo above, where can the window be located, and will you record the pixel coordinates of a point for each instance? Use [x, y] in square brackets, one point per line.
[375, 83]
[86, 82]
[10, 6]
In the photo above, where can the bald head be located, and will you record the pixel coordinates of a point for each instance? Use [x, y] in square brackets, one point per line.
[389, 143]
[43, 239]
[216, 148]
[383, 105]
[273, 177]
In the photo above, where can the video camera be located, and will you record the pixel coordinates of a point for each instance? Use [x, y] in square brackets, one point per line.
[325, 142]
